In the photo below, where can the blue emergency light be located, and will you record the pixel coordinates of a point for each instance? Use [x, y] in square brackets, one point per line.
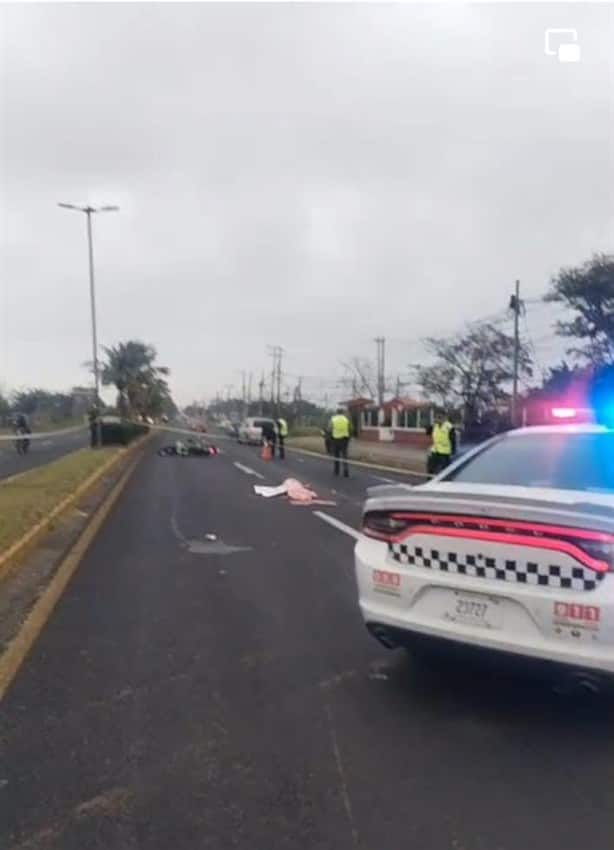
[601, 396]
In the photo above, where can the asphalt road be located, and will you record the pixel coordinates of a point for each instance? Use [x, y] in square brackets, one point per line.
[195, 695]
[41, 451]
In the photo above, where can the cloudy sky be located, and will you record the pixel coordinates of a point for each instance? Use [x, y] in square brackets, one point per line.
[309, 176]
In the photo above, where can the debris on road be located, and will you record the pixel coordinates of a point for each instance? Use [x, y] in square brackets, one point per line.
[297, 493]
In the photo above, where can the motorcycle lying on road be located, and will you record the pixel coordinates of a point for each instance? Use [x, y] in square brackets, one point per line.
[189, 449]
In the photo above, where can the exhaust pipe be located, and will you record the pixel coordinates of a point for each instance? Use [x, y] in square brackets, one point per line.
[581, 682]
[382, 634]
[587, 683]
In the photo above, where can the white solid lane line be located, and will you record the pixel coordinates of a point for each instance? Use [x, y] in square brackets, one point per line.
[340, 526]
[247, 470]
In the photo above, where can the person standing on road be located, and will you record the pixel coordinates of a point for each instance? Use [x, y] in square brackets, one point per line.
[282, 433]
[269, 436]
[340, 428]
[93, 419]
[443, 447]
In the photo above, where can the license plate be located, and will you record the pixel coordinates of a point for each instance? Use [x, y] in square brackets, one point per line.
[474, 609]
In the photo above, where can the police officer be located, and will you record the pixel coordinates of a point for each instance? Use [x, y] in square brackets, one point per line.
[282, 433]
[340, 429]
[269, 435]
[443, 446]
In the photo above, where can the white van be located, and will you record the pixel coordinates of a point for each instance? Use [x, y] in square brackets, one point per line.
[250, 431]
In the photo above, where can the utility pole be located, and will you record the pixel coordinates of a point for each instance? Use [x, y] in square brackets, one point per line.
[297, 399]
[88, 210]
[249, 390]
[516, 306]
[380, 341]
[276, 353]
[280, 352]
[261, 392]
[273, 353]
[243, 396]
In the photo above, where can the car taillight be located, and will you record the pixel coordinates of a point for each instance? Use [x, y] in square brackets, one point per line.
[383, 525]
[594, 549]
[600, 551]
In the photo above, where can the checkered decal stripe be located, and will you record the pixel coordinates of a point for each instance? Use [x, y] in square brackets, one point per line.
[478, 566]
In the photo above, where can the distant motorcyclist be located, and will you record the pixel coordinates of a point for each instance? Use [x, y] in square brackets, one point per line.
[22, 424]
[21, 427]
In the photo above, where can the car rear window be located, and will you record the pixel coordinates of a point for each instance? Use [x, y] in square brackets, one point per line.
[258, 423]
[562, 461]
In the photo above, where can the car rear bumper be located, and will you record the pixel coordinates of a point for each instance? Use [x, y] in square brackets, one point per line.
[461, 656]
[411, 605]
[394, 631]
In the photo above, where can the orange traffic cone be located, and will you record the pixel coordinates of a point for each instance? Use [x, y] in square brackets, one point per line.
[265, 452]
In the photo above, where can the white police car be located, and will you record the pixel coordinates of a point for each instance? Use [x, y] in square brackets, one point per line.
[511, 548]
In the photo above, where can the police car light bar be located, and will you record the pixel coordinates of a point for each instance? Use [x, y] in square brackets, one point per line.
[564, 412]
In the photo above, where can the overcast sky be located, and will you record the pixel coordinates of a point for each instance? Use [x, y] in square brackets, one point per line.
[307, 176]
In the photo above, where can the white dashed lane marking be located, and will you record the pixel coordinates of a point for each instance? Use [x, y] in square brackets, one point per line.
[340, 526]
[247, 470]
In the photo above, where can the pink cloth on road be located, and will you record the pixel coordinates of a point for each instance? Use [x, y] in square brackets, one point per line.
[297, 493]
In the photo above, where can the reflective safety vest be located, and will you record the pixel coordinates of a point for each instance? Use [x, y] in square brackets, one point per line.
[283, 427]
[340, 426]
[442, 442]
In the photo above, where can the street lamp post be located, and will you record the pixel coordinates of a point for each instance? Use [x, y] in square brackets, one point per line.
[88, 210]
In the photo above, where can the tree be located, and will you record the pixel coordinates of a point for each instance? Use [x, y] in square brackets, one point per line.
[557, 382]
[588, 290]
[5, 408]
[360, 377]
[195, 409]
[141, 387]
[44, 404]
[472, 369]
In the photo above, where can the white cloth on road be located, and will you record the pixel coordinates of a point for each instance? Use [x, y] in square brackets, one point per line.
[297, 493]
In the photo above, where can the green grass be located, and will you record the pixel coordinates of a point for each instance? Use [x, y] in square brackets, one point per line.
[29, 498]
[305, 431]
[367, 453]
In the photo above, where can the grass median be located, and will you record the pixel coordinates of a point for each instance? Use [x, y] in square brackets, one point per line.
[29, 498]
[410, 460]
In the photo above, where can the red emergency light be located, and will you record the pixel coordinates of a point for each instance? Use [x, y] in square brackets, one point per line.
[572, 414]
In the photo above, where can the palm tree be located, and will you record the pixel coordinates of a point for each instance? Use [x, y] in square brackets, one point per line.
[130, 366]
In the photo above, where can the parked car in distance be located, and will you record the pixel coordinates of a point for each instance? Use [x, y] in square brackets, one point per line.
[250, 431]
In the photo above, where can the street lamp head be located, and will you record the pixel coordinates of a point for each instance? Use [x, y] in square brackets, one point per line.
[89, 209]
[71, 207]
